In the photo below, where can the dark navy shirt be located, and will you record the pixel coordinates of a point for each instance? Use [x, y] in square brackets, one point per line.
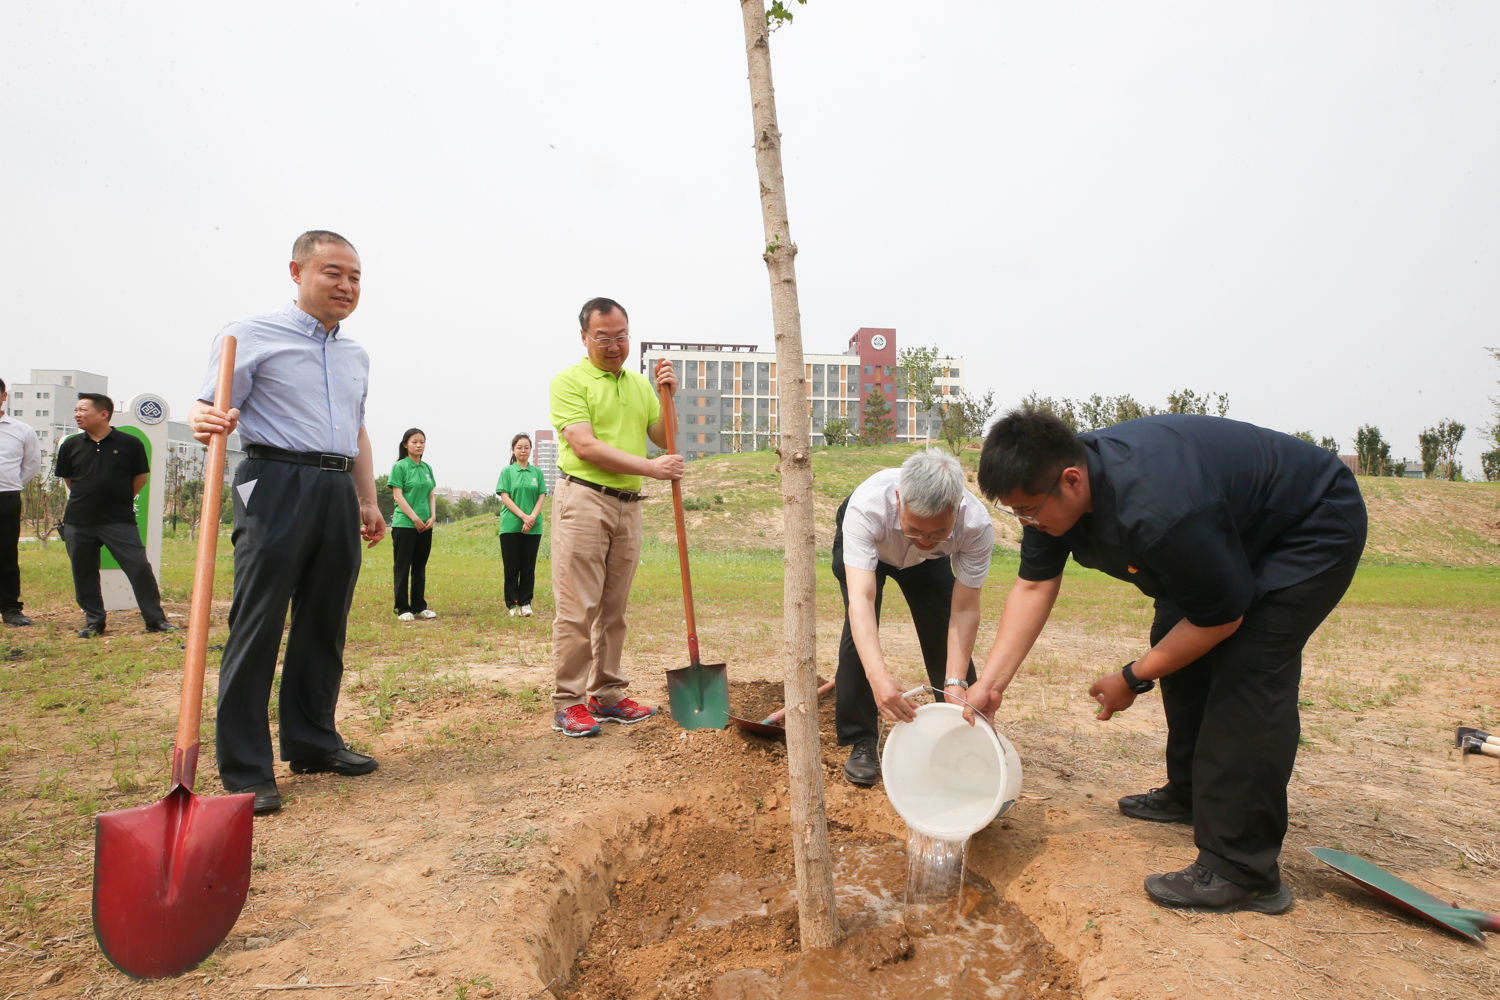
[1207, 514]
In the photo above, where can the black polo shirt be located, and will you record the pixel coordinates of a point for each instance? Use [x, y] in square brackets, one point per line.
[103, 474]
[1206, 513]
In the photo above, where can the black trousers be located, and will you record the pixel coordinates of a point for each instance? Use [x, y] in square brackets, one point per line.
[10, 559]
[518, 559]
[1233, 726]
[928, 589]
[124, 540]
[411, 549]
[296, 541]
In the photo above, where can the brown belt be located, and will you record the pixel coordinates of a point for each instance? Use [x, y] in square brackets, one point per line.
[629, 496]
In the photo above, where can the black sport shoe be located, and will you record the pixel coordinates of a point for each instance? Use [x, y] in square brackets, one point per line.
[1197, 888]
[1157, 806]
[863, 766]
[345, 762]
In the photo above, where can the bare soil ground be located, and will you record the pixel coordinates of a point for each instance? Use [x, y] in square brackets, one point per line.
[489, 857]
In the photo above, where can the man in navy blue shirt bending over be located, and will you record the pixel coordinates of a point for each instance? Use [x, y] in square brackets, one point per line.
[1247, 539]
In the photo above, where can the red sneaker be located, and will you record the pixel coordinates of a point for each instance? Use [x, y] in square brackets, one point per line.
[574, 721]
[624, 710]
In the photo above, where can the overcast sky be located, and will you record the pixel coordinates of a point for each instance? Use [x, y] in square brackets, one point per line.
[1297, 204]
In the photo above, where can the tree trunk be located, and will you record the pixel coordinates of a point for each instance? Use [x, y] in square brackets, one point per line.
[816, 911]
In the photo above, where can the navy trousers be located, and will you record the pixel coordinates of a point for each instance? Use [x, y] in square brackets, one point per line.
[296, 542]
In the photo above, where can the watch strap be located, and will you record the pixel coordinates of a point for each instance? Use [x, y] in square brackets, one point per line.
[1133, 682]
[958, 682]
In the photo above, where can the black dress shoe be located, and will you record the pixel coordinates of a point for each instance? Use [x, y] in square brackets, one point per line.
[14, 617]
[345, 762]
[267, 796]
[161, 627]
[89, 631]
[863, 767]
[1197, 888]
[1158, 806]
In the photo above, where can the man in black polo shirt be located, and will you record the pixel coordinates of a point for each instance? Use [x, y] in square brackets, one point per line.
[104, 470]
[1247, 539]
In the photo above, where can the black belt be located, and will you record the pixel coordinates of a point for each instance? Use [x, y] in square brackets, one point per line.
[329, 463]
[629, 496]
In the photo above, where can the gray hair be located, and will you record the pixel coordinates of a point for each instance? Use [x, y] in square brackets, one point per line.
[932, 482]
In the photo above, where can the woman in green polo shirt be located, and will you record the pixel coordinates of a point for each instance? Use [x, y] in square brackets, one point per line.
[522, 489]
[411, 483]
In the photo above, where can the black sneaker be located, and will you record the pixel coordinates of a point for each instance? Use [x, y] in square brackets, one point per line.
[345, 762]
[1157, 806]
[14, 617]
[863, 767]
[1197, 888]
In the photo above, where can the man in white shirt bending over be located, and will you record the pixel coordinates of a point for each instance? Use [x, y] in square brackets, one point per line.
[918, 526]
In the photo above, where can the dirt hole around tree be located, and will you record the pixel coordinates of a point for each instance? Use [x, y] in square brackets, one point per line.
[697, 899]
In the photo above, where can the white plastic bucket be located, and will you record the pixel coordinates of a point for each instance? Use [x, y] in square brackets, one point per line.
[946, 778]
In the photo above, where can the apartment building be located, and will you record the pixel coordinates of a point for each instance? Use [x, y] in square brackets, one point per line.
[47, 401]
[727, 401]
[544, 456]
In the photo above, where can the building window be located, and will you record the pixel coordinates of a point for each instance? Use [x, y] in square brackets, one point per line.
[43, 413]
[817, 389]
[868, 369]
[20, 395]
[45, 395]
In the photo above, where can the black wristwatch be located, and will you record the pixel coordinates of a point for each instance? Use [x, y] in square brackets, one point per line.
[1135, 684]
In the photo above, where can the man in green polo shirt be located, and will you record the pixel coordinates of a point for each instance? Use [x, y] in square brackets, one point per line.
[603, 414]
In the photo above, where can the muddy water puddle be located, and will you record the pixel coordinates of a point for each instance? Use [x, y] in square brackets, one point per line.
[732, 936]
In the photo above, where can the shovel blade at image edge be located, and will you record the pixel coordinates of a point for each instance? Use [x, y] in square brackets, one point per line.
[699, 695]
[170, 880]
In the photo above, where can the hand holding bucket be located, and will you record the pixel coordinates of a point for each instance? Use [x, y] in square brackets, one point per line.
[946, 778]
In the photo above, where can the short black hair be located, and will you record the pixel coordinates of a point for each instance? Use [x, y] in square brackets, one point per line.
[599, 305]
[307, 244]
[1026, 449]
[2, 385]
[101, 402]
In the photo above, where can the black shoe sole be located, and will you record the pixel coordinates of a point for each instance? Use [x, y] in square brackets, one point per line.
[318, 767]
[1152, 816]
[1274, 903]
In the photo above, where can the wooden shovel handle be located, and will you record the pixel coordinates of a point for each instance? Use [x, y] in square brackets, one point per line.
[669, 423]
[190, 714]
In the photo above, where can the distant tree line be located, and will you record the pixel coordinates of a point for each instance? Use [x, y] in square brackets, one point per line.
[1105, 411]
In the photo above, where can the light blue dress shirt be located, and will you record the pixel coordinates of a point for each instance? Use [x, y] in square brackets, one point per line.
[295, 388]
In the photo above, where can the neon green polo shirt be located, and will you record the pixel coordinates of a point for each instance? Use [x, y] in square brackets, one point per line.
[415, 481]
[620, 410]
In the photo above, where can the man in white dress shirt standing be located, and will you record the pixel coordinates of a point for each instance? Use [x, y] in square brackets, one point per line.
[20, 460]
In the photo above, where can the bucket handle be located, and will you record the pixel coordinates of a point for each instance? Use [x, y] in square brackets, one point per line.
[940, 696]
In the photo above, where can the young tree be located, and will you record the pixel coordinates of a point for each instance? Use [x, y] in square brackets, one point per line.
[1374, 452]
[385, 500]
[1440, 450]
[876, 425]
[966, 417]
[466, 508]
[917, 373]
[817, 912]
[836, 431]
[1326, 443]
[1188, 401]
[43, 499]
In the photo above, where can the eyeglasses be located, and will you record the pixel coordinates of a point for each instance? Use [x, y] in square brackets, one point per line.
[622, 339]
[1031, 518]
[918, 536]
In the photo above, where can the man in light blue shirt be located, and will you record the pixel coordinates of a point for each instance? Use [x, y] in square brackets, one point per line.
[303, 498]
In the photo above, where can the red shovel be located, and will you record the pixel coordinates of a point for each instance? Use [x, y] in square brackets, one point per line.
[170, 878]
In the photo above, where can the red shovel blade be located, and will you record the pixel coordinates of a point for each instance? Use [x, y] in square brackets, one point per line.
[170, 879]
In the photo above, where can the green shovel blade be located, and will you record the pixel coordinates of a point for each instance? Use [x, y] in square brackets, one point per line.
[699, 695]
[1469, 923]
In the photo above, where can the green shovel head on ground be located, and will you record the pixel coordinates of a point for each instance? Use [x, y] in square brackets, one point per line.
[699, 695]
[1469, 923]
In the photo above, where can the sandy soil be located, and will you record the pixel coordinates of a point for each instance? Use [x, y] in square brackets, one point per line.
[489, 857]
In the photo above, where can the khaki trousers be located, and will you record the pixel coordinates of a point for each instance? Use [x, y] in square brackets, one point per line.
[596, 546]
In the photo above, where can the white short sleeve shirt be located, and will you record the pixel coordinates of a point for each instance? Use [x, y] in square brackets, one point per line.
[872, 532]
